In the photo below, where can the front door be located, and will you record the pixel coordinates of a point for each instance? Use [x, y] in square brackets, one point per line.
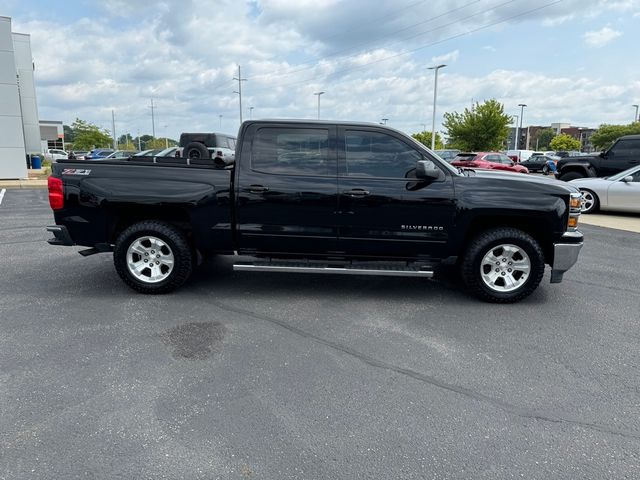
[385, 211]
[286, 192]
[625, 195]
[623, 155]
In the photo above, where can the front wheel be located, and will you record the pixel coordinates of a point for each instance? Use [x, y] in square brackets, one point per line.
[153, 257]
[503, 265]
[590, 201]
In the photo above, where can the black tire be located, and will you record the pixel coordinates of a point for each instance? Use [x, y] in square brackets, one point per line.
[566, 177]
[481, 245]
[178, 246]
[196, 151]
[591, 202]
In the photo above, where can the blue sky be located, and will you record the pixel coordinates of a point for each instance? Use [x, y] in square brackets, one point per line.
[570, 60]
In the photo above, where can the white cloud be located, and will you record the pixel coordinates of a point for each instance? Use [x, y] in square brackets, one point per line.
[186, 52]
[447, 57]
[599, 38]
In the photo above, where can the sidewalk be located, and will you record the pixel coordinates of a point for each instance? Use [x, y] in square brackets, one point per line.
[37, 179]
[619, 221]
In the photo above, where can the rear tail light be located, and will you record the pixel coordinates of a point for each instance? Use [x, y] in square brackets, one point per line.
[56, 193]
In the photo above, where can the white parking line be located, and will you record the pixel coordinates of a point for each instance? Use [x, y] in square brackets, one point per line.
[2, 192]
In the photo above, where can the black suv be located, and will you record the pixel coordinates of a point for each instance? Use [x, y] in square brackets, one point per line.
[623, 154]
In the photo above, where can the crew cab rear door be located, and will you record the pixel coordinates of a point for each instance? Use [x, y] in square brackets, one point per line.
[385, 211]
[286, 189]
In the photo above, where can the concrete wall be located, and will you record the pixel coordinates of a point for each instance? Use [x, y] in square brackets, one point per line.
[12, 151]
[27, 89]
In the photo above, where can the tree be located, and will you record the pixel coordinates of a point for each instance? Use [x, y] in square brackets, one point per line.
[607, 134]
[565, 142]
[544, 138]
[484, 127]
[88, 136]
[425, 139]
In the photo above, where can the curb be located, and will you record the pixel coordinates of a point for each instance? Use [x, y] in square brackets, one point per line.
[23, 184]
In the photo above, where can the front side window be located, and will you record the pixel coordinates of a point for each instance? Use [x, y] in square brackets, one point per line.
[292, 151]
[627, 147]
[373, 154]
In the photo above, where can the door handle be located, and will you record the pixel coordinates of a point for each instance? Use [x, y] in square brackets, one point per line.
[357, 192]
[257, 189]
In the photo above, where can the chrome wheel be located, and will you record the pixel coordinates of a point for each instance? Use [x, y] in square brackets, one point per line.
[588, 201]
[505, 268]
[150, 259]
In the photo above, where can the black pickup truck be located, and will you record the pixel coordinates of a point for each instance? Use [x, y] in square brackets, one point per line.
[623, 154]
[319, 197]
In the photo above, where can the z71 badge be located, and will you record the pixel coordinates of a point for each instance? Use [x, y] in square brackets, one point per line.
[76, 171]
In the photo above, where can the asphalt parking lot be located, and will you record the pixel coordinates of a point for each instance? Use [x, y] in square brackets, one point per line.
[275, 376]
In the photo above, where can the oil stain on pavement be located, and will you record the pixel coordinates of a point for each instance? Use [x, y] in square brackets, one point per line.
[195, 341]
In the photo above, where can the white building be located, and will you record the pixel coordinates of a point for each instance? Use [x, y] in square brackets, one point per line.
[19, 126]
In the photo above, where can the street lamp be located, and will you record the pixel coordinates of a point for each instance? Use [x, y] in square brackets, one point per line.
[521, 105]
[166, 139]
[318, 94]
[435, 96]
[250, 113]
[635, 117]
[515, 138]
[220, 117]
[384, 121]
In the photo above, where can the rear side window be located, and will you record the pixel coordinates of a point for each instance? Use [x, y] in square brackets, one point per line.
[289, 151]
[374, 154]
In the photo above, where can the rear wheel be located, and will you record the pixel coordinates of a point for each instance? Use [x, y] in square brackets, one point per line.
[503, 265]
[153, 257]
[590, 201]
[566, 177]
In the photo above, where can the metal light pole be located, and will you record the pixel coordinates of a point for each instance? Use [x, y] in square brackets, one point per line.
[166, 139]
[318, 94]
[250, 113]
[220, 117]
[384, 121]
[153, 120]
[113, 129]
[635, 117]
[521, 105]
[435, 97]
[239, 92]
[515, 138]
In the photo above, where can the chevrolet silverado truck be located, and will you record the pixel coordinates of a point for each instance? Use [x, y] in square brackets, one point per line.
[623, 154]
[319, 197]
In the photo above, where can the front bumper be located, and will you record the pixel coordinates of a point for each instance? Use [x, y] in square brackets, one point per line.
[61, 236]
[565, 254]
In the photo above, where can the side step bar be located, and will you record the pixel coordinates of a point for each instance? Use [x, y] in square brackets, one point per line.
[408, 271]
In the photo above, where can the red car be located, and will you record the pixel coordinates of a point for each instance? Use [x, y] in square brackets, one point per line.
[488, 161]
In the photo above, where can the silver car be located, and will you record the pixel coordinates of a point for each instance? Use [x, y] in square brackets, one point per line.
[619, 192]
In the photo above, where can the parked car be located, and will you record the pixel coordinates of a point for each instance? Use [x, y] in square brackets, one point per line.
[98, 153]
[488, 161]
[78, 154]
[623, 154]
[121, 154]
[519, 155]
[147, 153]
[55, 154]
[208, 145]
[447, 155]
[538, 163]
[319, 197]
[619, 192]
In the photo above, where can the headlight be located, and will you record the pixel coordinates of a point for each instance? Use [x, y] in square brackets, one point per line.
[575, 208]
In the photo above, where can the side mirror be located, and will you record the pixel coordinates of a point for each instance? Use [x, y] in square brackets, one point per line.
[602, 153]
[427, 169]
[628, 179]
